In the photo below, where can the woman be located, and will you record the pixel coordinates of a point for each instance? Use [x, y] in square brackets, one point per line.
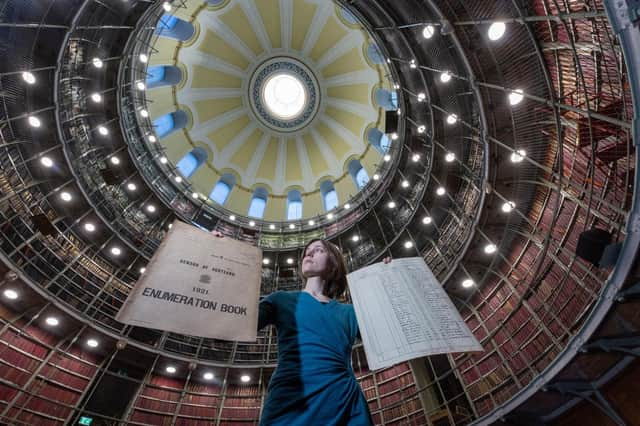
[314, 383]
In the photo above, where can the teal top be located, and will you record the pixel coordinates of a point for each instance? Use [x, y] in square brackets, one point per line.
[314, 383]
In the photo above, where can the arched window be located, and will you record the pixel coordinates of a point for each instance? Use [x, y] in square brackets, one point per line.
[258, 203]
[294, 205]
[163, 75]
[348, 16]
[379, 140]
[358, 174]
[192, 161]
[329, 195]
[169, 123]
[173, 27]
[387, 99]
[374, 54]
[220, 192]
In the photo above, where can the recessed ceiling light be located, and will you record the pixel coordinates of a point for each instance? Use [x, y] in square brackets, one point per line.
[34, 121]
[97, 62]
[96, 97]
[422, 128]
[399, 111]
[449, 157]
[496, 30]
[292, 226]
[252, 223]
[166, 6]
[445, 77]
[441, 191]
[376, 176]
[329, 216]
[518, 155]
[140, 85]
[490, 248]
[272, 226]
[143, 58]
[65, 196]
[428, 31]
[115, 160]
[131, 186]
[265, 261]
[289, 261]
[467, 283]
[207, 376]
[232, 217]
[415, 158]
[421, 97]
[391, 205]
[452, 119]
[508, 206]
[46, 161]
[152, 139]
[312, 222]
[408, 244]
[396, 86]
[170, 369]
[116, 251]
[28, 77]
[178, 179]
[92, 343]
[89, 227]
[195, 195]
[144, 113]
[151, 208]
[10, 294]
[164, 160]
[426, 220]
[355, 238]
[387, 158]
[170, 225]
[143, 270]
[245, 378]
[52, 321]
[394, 136]
[413, 64]
[516, 97]
[405, 183]
[347, 206]
[103, 130]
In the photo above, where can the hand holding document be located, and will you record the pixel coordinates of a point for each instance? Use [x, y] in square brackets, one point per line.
[404, 313]
[200, 285]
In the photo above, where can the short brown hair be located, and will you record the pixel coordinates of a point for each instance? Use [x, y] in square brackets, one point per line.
[337, 276]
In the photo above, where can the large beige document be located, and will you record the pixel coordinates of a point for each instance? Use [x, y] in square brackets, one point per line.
[198, 284]
[404, 313]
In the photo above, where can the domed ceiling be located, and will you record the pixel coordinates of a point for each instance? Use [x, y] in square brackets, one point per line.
[278, 94]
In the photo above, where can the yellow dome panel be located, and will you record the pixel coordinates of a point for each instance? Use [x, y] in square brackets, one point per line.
[205, 78]
[221, 137]
[339, 147]
[243, 156]
[359, 93]
[332, 32]
[216, 46]
[237, 21]
[212, 108]
[267, 169]
[303, 14]
[293, 171]
[319, 163]
[269, 11]
[350, 121]
[348, 62]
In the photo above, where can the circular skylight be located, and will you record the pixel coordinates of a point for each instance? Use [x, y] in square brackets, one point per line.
[284, 96]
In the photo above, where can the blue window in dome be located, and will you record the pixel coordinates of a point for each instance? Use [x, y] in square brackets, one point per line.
[257, 207]
[188, 164]
[155, 75]
[168, 22]
[220, 192]
[331, 200]
[294, 210]
[362, 178]
[164, 125]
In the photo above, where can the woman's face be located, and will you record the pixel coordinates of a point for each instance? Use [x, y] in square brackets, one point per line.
[316, 260]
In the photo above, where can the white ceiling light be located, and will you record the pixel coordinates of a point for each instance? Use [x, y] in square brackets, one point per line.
[518, 155]
[330, 216]
[46, 161]
[376, 176]
[413, 64]
[252, 223]
[164, 160]
[207, 376]
[151, 208]
[103, 130]
[166, 6]
[426, 220]
[405, 183]
[116, 251]
[152, 139]
[355, 238]
[34, 121]
[284, 95]
[52, 321]
[92, 343]
[391, 205]
[144, 113]
[441, 191]
[452, 119]
[195, 195]
[143, 270]
[115, 161]
[178, 179]
[292, 226]
[265, 261]
[445, 77]
[516, 97]
[28, 77]
[421, 97]
[347, 206]
[170, 369]
[428, 31]
[89, 227]
[496, 31]
[65, 196]
[422, 129]
[131, 186]
[232, 217]
[508, 206]
[10, 294]
[467, 283]
[449, 157]
[97, 62]
[290, 261]
[312, 222]
[387, 157]
[415, 158]
[396, 86]
[140, 85]
[144, 58]
[96, 97]
[245, 378]
[272, 226]
[394, 136]
[490, 248]
[408, 244]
